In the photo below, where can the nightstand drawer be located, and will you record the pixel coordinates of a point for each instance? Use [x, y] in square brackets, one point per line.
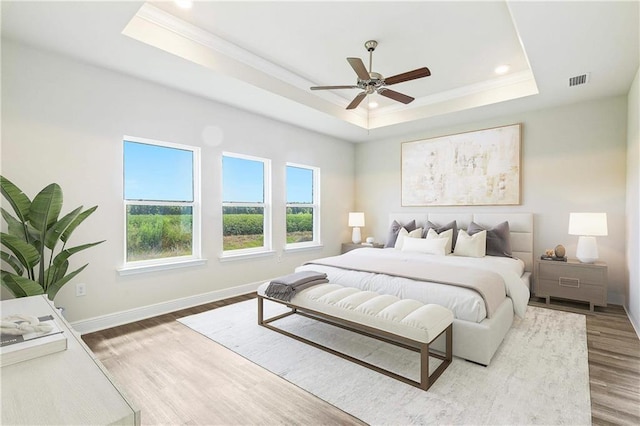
[589, 274]
[572, 289]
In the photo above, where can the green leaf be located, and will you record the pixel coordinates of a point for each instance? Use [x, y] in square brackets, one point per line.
[78, 220]
[14, 226]
[20, 286]
[53, 289]
[45, 208]
[55, 273]
[26, 253]
[54, 233]
[12, 261]
[43, 213]
[64, 255]
[18, 199]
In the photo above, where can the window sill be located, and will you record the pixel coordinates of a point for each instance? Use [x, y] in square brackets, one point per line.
[141, 269]
[310, 247]
[242, 256]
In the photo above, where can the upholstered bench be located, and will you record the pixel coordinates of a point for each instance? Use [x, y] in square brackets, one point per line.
[403, 322]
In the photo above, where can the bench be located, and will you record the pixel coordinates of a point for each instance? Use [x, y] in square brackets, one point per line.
[403, 322]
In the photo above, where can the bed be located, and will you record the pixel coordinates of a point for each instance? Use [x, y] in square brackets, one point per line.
[485, 293]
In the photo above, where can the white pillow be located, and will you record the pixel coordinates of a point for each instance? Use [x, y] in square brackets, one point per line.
[446, 235]
[433, 246]
[416, 233]
[471, 245]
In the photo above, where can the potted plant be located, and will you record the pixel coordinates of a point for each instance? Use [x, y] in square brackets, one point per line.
[36, 252]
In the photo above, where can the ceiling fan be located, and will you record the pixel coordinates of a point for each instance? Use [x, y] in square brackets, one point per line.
[373, 82]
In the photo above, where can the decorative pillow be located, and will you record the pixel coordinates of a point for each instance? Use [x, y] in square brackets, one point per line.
[444, 235]
[439, 229]
[471, 245]
[403, 235]
[395, 229]
[498, 238]
[435, 246]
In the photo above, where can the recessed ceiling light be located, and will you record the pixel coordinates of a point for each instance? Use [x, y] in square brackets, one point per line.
[184, 4]
[502, 69]
[373, 104]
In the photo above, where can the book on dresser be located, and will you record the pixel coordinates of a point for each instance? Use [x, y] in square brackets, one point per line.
[44, 337]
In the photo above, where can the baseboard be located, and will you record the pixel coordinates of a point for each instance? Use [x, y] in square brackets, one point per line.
[125, 317]
[635, 326]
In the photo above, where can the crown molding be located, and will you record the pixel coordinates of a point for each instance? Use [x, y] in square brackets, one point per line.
[198, 35]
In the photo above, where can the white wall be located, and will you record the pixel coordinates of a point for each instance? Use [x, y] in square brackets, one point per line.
[573, 159]
[63, 121]
[633, 203]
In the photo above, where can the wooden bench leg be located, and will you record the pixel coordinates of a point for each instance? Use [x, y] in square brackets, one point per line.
[424, 367]
[427, 380]
[260, 310]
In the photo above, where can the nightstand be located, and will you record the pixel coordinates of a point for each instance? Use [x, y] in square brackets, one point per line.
[585, 282]
[351, 246]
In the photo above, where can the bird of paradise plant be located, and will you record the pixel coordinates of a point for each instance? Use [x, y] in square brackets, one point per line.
[36, 241]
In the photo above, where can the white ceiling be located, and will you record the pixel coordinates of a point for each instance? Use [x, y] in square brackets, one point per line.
[263, 56]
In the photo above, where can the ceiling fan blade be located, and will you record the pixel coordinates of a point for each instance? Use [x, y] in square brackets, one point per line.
[406, 76]
[396, 96]
[356, 101]
[359, 68]
[332, 87]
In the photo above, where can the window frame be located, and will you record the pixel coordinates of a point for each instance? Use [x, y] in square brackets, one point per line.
[266, 205]
[195, 258]
[315, 205]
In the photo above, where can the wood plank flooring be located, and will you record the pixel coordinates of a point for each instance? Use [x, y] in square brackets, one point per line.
[177, 376]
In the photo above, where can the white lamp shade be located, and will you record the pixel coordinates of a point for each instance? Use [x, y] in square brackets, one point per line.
[588, 224]
[356, 219]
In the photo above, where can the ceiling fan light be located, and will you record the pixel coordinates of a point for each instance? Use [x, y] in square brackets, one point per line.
[502, 69]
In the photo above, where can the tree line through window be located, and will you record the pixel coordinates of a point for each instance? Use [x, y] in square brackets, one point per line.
[162, 206]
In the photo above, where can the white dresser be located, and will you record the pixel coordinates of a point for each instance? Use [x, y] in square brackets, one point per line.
[63, 388]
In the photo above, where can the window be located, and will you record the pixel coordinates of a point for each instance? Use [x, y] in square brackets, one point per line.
[161, 197]
[246, 204]
[303, 206]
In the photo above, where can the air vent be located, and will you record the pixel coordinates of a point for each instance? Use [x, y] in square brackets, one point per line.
[578, 80]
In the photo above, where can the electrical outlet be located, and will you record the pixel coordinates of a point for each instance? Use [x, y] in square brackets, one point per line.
[81, 289]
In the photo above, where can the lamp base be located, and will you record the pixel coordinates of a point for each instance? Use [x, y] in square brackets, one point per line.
[587, 249]
[356, 237]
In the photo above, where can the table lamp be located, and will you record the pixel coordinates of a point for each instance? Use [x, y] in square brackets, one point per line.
[356, 220]
[588, 226]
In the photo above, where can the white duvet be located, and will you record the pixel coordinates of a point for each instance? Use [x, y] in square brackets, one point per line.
[466, 304]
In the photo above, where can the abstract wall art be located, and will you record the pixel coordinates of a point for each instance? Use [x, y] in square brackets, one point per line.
[466, 169]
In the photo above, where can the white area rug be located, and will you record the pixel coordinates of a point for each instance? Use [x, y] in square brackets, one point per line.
[539, 375]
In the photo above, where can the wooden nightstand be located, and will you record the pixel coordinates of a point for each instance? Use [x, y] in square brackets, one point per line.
[585, 282]
[351, 246]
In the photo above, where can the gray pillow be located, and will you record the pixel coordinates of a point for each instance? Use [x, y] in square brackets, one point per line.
[440, 229]
[498, 238]
[395, 229]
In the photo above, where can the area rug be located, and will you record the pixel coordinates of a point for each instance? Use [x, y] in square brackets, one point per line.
[539, 375]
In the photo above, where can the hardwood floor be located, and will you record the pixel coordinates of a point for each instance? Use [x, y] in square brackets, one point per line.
[177, 376]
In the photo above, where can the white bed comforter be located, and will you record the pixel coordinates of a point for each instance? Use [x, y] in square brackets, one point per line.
[465, 303]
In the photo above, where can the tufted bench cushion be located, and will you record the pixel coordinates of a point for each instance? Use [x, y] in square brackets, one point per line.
[398, 321]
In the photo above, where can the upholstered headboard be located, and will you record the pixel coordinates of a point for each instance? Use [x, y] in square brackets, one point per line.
[520, 227]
